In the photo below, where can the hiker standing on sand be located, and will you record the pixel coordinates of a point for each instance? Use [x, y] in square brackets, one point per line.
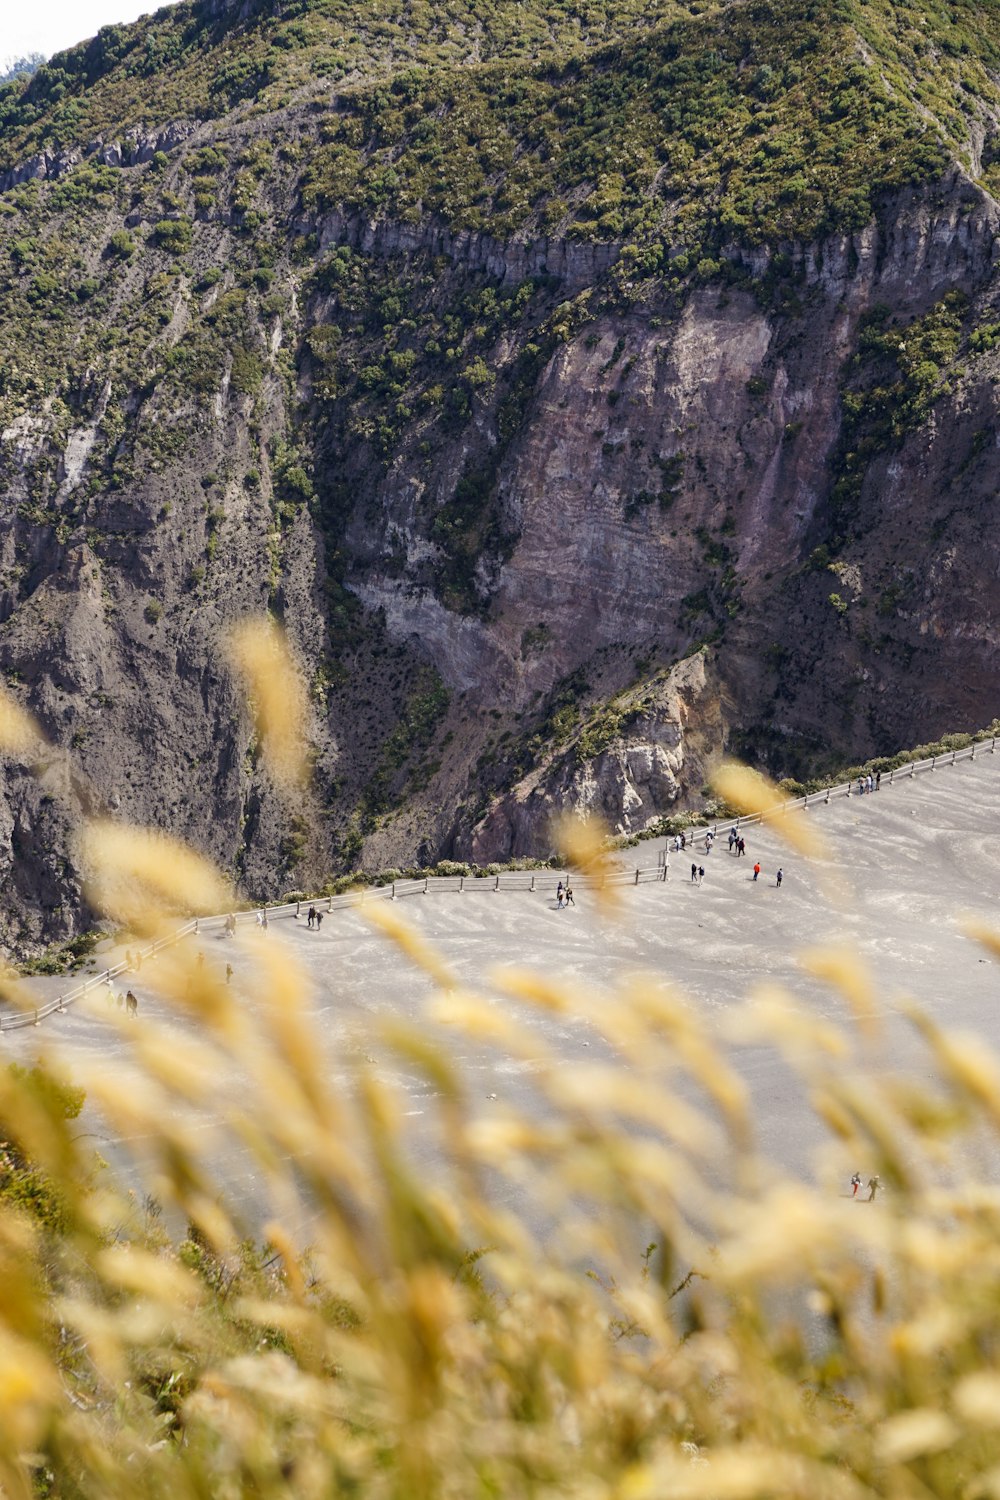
[855, 1184]
[778, 878]
[873, 1187]
[694, 873]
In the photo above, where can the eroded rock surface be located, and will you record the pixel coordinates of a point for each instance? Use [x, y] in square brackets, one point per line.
[560, 555]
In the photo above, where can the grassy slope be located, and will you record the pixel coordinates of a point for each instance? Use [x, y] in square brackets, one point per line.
[179, 64]
[762, 120]
[750, 121]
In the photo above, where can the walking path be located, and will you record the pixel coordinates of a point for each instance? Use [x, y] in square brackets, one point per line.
[914, 857]
[649, 860]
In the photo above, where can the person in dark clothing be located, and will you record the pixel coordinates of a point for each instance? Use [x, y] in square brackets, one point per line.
[778, 877]
[694, 874]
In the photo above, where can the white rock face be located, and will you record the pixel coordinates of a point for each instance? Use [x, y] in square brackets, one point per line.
[671, 733]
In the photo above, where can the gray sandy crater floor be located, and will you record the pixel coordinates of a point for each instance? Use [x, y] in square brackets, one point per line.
[912, 862]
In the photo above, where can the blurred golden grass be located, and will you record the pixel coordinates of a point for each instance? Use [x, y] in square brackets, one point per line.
[259, 650]
[20, 735]
[584, 843]
[752, 793]
[381, 1362]
[421, 1341]
[142, 879]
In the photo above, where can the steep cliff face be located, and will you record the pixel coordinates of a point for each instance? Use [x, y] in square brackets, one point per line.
[673, 482]
[552, 517]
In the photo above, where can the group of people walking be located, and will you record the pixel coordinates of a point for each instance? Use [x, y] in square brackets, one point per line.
[737, 843]
[737, 847]
[129, 1001]
[564, 895]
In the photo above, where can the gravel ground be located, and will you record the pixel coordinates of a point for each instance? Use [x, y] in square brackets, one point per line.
[902, 869]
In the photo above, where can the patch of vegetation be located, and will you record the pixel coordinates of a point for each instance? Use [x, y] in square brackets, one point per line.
[412, 736]
[755, 122]
[63, 958]
[893, 381]
[694, 125]
[121, 245]
[174, 235]
[400, 361]
[26, 1189]
[184, 63]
